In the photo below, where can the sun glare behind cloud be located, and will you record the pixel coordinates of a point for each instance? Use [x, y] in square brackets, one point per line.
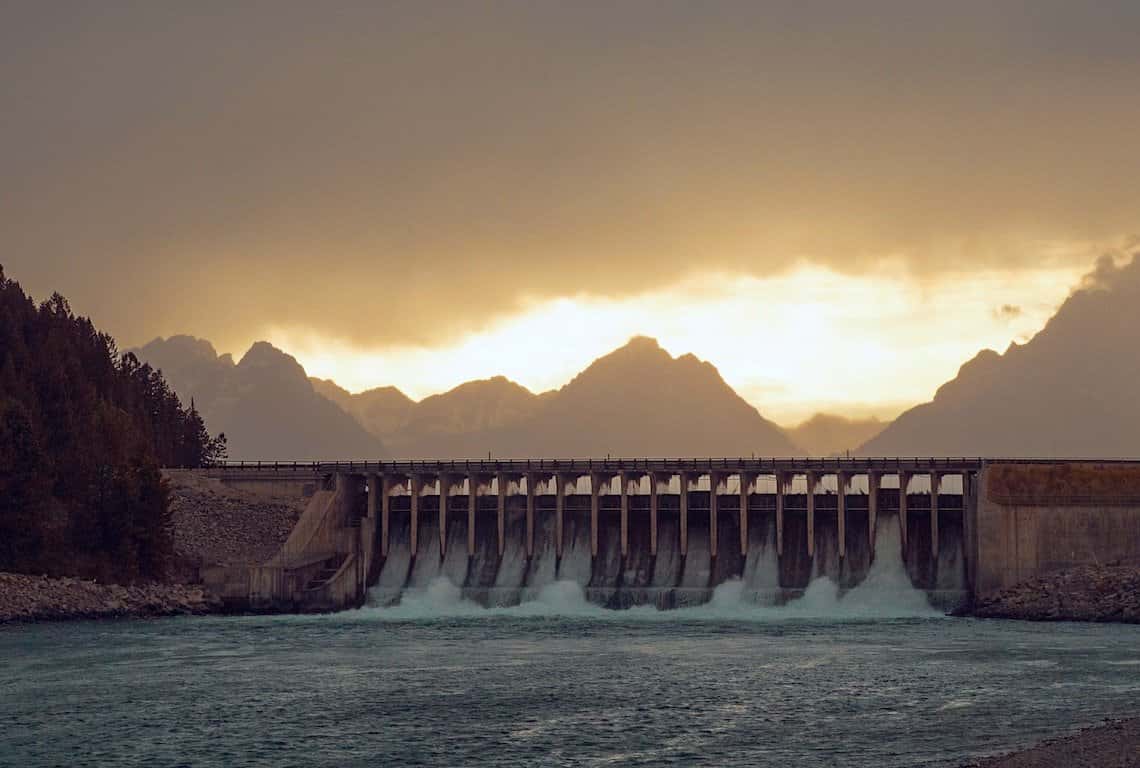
[806, 341]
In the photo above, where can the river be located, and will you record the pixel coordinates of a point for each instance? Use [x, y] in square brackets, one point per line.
[438, 681]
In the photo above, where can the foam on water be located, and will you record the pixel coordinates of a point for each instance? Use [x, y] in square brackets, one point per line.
[886, 593]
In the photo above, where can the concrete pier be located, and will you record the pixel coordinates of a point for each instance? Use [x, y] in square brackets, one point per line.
[531, 480]
[595, 479]
[472, 505]
[935, 484]
[653, 510]
[811, 483]
[623, 478]
[904, 482]
[874, 479]
[780, 479]
[684, 499]
[714, 485]
[745, 481]
[502, 482]
[444, 495]
[560, 481]
[841, 510]
[416, 486]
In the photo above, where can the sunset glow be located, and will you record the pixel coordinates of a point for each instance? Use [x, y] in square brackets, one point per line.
[811, 340]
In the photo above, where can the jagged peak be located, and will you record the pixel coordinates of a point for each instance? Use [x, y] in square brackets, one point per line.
[494, 384]
[185, 344]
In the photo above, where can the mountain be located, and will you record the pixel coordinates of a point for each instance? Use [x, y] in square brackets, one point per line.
[1071, 391]
[826, 434]
[635, 401]
[265, 404]
[381, 411]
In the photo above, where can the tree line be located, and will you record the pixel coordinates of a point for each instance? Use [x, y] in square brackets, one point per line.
[84, 431]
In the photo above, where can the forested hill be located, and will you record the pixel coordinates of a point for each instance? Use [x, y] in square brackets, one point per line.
[83, 432]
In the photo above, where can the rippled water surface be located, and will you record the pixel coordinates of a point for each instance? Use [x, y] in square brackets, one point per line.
[552, 687]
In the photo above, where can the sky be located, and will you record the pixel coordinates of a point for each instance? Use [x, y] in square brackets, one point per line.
[835, 203]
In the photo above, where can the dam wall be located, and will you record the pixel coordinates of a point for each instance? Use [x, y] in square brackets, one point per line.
[1036, 518]
[669, 532]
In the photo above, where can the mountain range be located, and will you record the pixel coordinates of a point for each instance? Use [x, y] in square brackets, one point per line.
[1071, 390]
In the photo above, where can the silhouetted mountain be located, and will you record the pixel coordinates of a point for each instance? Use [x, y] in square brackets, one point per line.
[635, 401]
[381, 411]
[1070, 391]
[826, 434]
[264, 404]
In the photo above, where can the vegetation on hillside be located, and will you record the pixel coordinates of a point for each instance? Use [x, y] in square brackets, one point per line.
[83, 433]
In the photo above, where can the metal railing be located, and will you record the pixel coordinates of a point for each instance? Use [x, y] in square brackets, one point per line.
[661, 464]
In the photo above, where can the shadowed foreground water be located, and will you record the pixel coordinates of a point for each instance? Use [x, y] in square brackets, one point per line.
[552, 687]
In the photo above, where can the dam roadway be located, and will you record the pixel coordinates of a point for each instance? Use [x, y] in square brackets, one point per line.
[662, 530]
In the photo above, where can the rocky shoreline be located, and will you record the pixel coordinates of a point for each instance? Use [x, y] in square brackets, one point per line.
[39, 598]
[1115, 744]
[1107, 593]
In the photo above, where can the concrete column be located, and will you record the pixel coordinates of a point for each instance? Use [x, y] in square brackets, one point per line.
[595, 478]
[530, 483]
[472, 503]
[415, 484]
[904, 481]
[373, 494]
[385, 513]
[841, 502]
[811, 480]
[745, 480]
[873, 479]
[684, 477]
[559, 512]
[969, 526]
[779, 513]
[935, 481]
[502, 481]
[373, 499]
[714, 481]
[652, 514]
[623, 478]
[444, 491]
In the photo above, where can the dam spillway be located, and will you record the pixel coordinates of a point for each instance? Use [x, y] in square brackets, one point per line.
[631, 536]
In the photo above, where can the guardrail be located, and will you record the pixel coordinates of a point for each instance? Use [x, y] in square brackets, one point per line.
[747, 464]
[948, 464]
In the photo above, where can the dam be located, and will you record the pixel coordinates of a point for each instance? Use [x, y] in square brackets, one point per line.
[668, 532]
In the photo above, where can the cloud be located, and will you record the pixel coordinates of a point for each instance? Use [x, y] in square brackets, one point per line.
[1007, 312]
[407, 173]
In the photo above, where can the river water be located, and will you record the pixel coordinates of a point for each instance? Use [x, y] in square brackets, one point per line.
[437, 681]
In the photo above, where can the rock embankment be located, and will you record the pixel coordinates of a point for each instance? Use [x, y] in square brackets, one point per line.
[1086, 593]
[214, 524]
[1115, 744]
[38, 598]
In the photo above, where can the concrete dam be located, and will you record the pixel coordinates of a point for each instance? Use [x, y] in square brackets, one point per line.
[667, 532]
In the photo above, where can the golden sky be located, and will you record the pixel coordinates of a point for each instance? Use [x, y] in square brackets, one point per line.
[419, 193]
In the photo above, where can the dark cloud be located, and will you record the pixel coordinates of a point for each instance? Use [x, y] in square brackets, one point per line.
[1007, 312]
[408, 171]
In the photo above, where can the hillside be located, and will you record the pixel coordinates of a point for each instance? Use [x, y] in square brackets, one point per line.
[1071, 391]
[83, 432]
